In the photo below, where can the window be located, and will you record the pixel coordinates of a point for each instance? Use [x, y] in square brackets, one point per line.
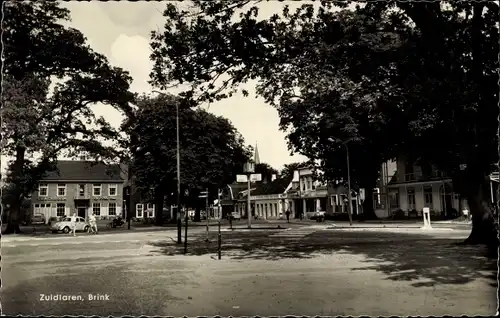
[411, 198]
[61, 209]
[96, 189]
[112, 190]
[61, 190]
[81, 190]
[112, 208]
[139, 207]
[428, 196]
[276, 208]
[96, 208]
[43, 190]
[309, 185]
[334, 200]
[42, 205]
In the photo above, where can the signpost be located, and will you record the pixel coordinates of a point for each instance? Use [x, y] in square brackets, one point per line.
[249, 177]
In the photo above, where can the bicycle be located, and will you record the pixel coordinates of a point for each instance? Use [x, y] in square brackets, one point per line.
[92, 229]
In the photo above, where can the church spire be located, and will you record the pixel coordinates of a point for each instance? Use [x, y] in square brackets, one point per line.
[256, 158]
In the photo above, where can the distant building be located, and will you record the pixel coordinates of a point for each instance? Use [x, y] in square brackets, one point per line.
[415, 186]
[80, 187]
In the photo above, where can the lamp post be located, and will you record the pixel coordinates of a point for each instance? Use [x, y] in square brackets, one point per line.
[178, 155]
[349, 206]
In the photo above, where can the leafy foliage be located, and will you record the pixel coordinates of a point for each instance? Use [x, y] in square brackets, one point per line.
[40, 124]
[266, 171]
[288, 169]
[417, 78]
[211, 150]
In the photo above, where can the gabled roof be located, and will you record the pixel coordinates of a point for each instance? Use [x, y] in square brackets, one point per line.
[277, 186]
[73, 170]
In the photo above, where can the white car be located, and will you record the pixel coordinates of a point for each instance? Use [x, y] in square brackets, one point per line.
[65, 225]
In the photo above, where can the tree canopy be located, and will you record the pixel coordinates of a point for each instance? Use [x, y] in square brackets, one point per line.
[389, 78]
[50, 79]
[212, 151]
[265, 170]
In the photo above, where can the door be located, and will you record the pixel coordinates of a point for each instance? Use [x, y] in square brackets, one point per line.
[81, 211]
[80, 224]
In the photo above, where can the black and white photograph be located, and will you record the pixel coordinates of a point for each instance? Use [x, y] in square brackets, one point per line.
[249, 158]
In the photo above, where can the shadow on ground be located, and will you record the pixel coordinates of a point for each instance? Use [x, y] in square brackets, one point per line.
[419, 258]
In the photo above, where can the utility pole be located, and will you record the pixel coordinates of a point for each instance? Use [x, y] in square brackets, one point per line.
[179, 221]
[349, 206]
[249, 212]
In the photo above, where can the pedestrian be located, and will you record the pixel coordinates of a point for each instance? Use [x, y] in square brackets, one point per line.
[466, 214]
[287, 215]
[93, 223]
[73, 223]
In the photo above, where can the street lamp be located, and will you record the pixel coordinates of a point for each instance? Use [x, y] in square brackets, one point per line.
[179, 222]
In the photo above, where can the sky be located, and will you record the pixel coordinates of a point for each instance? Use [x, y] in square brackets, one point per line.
[121, 31]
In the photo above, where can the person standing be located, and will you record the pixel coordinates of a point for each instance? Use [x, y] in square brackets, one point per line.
[287, 215]
[93, 223]
[73, 223]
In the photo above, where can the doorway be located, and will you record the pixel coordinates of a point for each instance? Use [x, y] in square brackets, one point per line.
[81, 211]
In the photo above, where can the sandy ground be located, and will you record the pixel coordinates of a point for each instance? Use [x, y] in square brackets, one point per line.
[304, 271]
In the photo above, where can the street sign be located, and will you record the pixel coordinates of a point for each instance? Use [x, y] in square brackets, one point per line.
[255, 177]
[241, 178]
[203, 194]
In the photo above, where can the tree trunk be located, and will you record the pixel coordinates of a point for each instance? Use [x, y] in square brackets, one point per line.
[484, 229]
[15, 207]
[368, 210]
[369, 184]
[158, 201]
[12, 220]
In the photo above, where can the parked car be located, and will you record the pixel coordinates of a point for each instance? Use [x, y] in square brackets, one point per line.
[35, 219]
[65, 225]
[235, 216]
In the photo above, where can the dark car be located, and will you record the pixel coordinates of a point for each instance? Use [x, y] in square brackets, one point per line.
[35, 219]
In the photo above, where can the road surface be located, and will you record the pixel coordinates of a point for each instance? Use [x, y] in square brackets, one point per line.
[306, 270]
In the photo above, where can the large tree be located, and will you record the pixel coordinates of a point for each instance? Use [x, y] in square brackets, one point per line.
[387, 78]
[211, 150]
[40, 123]
[288, 169]
[266, 171]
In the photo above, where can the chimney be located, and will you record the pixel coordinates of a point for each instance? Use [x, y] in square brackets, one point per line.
[273, 177]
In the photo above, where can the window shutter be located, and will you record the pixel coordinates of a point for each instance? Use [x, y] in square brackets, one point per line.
[66, 211]
[152, 214]
[118, 210]
[104, 210]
